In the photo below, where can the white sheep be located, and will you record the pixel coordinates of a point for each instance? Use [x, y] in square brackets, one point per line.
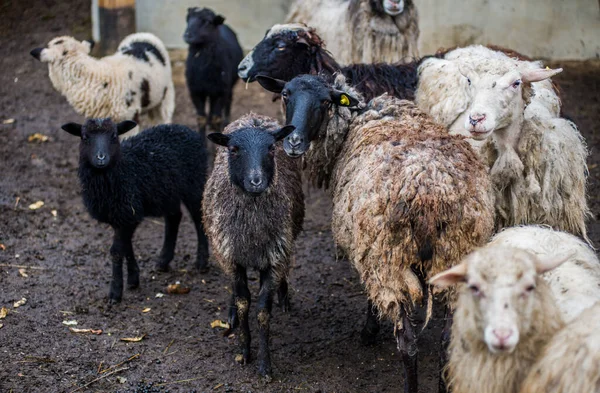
[570, 363]
[362, 31]
[135, 80]
[507, 311]
[536, 158]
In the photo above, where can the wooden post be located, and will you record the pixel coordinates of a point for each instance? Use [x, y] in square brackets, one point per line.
[116, 19]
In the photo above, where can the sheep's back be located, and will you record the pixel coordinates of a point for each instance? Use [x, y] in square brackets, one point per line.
[399, 189]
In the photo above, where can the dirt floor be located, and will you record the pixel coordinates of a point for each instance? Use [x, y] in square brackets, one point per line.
[315, 347]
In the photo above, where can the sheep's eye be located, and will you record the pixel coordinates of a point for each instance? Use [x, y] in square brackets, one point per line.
[272, 149]
[475, 290]
[516, 83]
[284, 95]
[280, 46]
[469, 81]
[234, 149]
[530, 288]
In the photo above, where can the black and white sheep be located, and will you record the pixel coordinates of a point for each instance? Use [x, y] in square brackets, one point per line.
[135, 80]
[147, 175]
[253, 211]
[291, 50]
[211, 66]
[409, 200]
[363, 31]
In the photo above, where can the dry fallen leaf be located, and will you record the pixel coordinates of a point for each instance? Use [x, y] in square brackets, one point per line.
[1, 326]
[239, 358]
[147, 309]
[37, 205]
[218, 323]
[177, 289]
[70, 323]
[23, 272]
[133, 339]
[160, 294]
[19, 303]
[8, 121]
[54, 213]
[2, 247]
[3, 312]
[37, 137]
[217, 386]
[122, 379]
[93, 331]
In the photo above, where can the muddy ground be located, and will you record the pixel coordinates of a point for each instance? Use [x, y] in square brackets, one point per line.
[315, 347]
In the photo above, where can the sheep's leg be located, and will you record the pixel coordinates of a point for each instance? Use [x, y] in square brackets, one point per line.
[121, 243]
[216, 112]
[369, 333]
[406, 339]
[242, 303]
[168, 250]
[202, 253]
[200, 105]
[133, 270]
[445, 342]
[265, 305]
[283, 296]
[227, 107]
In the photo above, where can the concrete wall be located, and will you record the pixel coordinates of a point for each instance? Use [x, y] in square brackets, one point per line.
[249, 18]
[553, 29]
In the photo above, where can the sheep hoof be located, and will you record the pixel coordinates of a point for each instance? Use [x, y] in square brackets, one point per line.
[112, 301]
[202, 266]
[133, 283]
[266, 376]
[243, 358]
[162, 266]
[285, 304]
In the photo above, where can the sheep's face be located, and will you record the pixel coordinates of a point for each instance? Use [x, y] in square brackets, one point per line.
[251, 156]
[99, 146]
[499, 292]
[390, 7]
[60, 48]
[283, 53]
[202, 26]
[307, 100]
[498, 99]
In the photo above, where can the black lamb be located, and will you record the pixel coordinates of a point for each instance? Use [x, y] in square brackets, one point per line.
[253, 212]
[211, 67]
[147, 175]
[291, 50]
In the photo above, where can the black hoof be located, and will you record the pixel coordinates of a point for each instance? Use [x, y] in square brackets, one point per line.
[202, 265]
[162, 267]
[133, 283]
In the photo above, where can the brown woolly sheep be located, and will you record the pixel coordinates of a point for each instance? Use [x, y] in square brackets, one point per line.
[409, 201]
[253, 211]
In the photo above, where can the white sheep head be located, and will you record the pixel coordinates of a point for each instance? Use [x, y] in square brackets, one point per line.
[499, 293]
[61, 47]
[498, 100]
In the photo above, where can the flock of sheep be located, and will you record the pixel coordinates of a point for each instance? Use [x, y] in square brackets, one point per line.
[452, 168]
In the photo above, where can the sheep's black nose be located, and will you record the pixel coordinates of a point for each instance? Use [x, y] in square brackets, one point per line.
[256, 181]
[242, 67]
[295, 141]
[36, 52]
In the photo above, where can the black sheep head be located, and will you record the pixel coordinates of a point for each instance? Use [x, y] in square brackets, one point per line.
[307, 100]
[99, 146]
[285, 52]
[202, 26]
[251, 156]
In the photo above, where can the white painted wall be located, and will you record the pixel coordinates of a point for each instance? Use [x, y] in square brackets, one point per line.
[553, 29]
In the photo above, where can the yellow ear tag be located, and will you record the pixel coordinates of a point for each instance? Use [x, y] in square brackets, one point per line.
[344, 100]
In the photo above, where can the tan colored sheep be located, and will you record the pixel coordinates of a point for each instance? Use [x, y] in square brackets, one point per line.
[507, 311]
[408, 200]
[362, 31]
[571, 361]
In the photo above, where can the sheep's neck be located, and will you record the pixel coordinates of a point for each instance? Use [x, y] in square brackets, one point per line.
[508, 137]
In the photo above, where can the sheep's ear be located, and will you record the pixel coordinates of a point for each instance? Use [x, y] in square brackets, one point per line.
[539, 74]
[271, 84]
[72, 128]
[543, 265]
[219, 19]
[89, 43]
[283, 132]
[343, 99]
[125, 126]
[451, 276]
[219, 138]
